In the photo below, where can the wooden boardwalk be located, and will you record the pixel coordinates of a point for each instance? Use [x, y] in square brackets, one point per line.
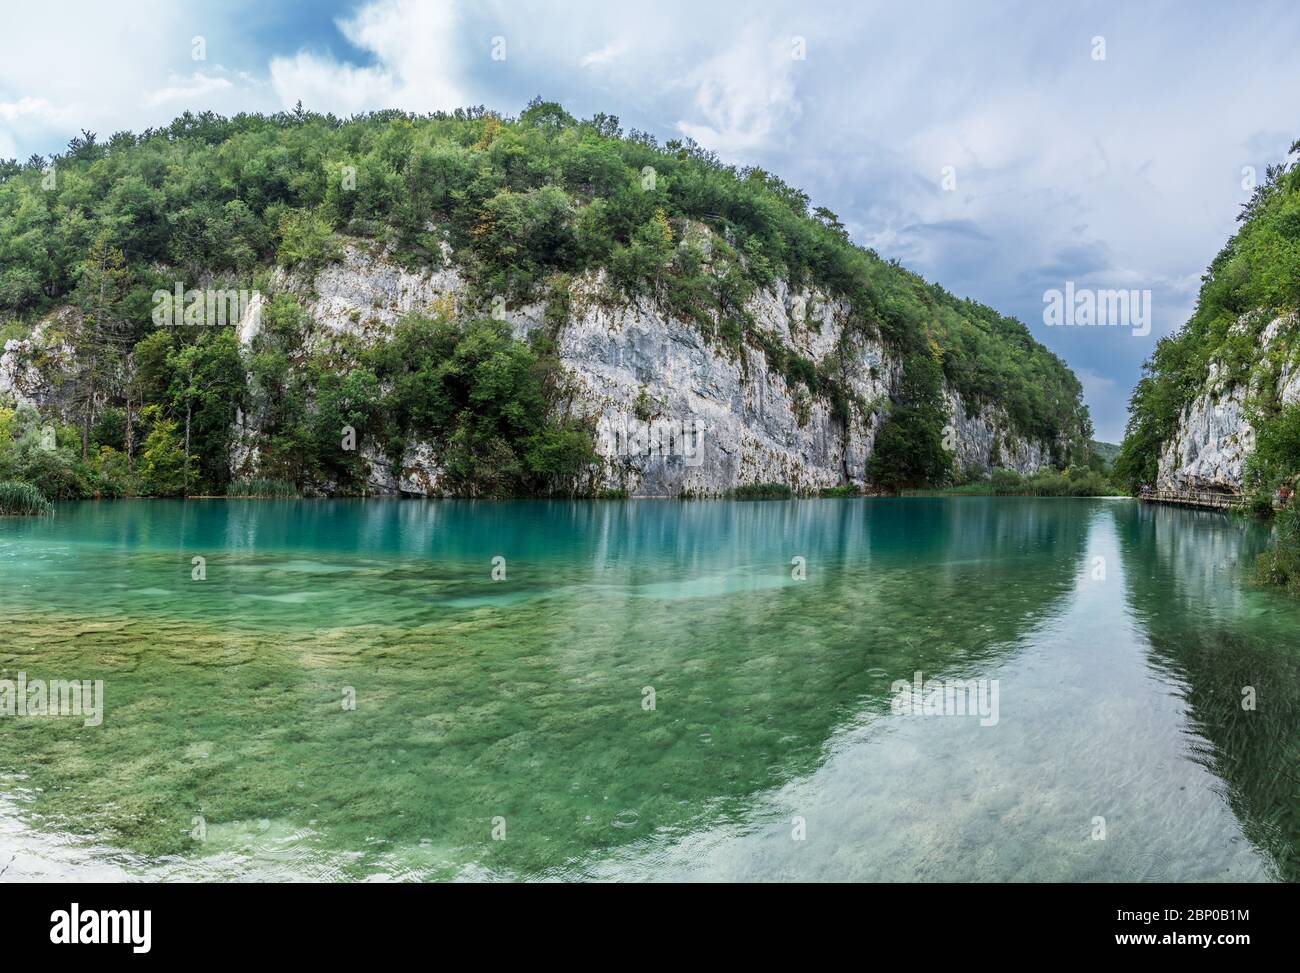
[1205, 499]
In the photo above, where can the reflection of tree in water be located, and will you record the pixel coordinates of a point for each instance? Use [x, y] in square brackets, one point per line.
[1187, 578]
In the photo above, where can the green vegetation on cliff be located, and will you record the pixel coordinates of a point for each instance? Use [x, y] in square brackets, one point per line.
[1258, 270]
[524, 204]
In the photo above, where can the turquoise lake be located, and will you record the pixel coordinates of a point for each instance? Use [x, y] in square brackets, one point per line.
[655, 690]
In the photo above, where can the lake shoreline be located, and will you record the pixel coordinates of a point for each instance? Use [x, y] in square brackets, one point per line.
[406, 498]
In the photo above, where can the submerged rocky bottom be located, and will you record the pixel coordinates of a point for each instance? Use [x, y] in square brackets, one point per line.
[653, 690]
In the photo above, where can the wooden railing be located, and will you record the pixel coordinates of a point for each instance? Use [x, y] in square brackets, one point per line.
[1207, 499]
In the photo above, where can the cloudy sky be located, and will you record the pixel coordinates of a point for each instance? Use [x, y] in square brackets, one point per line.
[1119, 172]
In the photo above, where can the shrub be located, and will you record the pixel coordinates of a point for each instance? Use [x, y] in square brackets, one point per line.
[110, 476]
[1281, 565]
[762, 491]
[1075, 482]
[1276, 456]
[484, 397]
[1006, 480]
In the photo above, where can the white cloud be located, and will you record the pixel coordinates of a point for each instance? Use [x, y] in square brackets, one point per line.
[744, 95]
[1095, 385]
[68, 65]
[29, 108]
[417, 50]
[188, 88]
[604, 55]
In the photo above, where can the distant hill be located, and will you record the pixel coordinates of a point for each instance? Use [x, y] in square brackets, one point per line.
[1107, 452]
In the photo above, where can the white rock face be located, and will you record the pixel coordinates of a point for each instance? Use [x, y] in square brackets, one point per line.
[633, 365]
[639, 373]
[244, 453]
[250, 322]
[20, 376]
[1214, 435]
[420, 473]
[365, 294]
[1213, 440]
[982, 441]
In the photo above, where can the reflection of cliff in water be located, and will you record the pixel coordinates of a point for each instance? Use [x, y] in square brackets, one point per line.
[520, 700]
[1188, 585]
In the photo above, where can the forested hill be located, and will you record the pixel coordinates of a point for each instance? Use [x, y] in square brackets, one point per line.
[521, 207]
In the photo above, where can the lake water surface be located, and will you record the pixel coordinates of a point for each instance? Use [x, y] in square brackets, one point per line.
[655, 690]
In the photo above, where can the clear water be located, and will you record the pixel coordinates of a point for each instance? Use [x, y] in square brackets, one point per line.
[1121, 636]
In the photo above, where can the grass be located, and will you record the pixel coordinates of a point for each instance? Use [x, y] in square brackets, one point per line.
[263, 489]
[21, 498]
[1076, 482]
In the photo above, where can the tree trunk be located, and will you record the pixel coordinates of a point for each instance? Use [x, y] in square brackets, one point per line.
[188, 409]
[130, 441]
[85, 424]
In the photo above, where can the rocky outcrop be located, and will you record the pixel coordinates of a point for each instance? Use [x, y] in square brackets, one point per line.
[365, 293]
[980, 441]
[674, 412]
[644, 376]
[420, 473]
[1214, 436]
[30, 366]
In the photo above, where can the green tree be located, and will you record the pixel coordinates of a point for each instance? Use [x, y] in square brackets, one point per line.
[347, 418]
[306, 240]
[162, 466]
[909, 448]
[101, 332]
[207, 383]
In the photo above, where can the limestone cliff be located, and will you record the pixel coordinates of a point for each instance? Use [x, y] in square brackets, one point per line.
[1214, 435]
[29, 367]
[674, 414]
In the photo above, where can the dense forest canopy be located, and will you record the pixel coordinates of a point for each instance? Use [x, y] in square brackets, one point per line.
[1254, 279]
[524, 205]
